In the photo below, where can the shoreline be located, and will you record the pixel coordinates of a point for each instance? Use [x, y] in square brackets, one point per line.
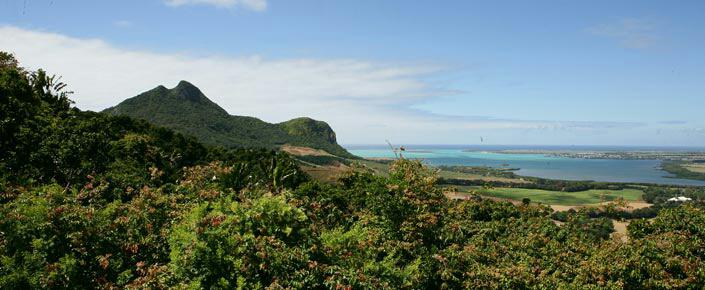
[607, 155]
[515, 170]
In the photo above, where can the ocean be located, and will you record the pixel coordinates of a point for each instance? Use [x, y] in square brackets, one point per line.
[540, 165]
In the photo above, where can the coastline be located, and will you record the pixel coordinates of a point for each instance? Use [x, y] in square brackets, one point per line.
[636, 167]
[614, 155]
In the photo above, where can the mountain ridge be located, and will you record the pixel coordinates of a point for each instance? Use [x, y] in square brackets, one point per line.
[187, 110]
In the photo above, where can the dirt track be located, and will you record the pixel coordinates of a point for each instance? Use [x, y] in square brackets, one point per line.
[304, 151]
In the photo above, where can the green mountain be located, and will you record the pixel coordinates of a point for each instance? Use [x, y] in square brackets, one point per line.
[187, 110]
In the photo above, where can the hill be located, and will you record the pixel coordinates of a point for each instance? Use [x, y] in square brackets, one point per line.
[187, 110]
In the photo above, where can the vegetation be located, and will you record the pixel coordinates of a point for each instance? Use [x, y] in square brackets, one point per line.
[186, 110]
[657, 195]
[482, 171]
[661, 194]
[111, 202]
[591, 196]
[494, 177]
[560, 192]
[612, 211]
[324, 160]
[538, 183]
[680, 169]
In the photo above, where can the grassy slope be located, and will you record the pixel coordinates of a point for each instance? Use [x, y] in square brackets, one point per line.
[561, 198]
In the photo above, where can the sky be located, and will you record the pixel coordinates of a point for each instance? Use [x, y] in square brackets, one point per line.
[411, 72]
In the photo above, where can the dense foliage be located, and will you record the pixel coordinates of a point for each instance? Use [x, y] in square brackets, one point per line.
[108, 202]
[613, 210]
[186, 110]
[661, 194]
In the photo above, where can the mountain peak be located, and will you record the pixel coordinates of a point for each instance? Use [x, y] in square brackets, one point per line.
[187, 91]
[185, 84]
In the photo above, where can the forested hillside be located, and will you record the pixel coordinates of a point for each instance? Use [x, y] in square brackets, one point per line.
[96, 201]
[186, 110]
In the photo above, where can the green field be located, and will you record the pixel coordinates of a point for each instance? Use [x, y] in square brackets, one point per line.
[562, 198]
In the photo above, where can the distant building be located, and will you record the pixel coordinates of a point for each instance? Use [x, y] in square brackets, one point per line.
[680, 199]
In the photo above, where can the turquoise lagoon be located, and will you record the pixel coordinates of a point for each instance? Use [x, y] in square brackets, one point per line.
[540, 165]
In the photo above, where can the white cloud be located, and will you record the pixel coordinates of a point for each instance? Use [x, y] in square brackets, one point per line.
[365, 102]
[256, 5]
[629, 32]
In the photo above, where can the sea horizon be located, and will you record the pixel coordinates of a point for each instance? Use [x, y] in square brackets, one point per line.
[499, 147]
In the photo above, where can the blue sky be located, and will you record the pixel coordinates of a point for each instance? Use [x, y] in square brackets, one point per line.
[443, 72]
